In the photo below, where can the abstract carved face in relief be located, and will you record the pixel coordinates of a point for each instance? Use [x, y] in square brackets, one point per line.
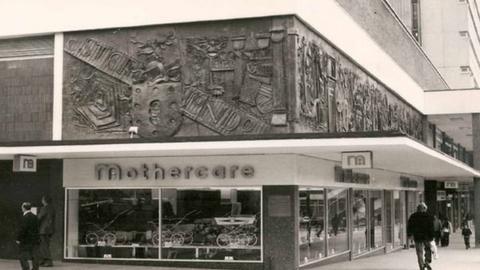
[156, 109]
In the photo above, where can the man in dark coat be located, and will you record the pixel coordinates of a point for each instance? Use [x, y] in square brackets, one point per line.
[420, 227]
[46, 217]
[28, 238]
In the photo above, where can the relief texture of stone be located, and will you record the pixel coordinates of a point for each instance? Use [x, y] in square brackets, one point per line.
[360, 104]
[164, 82]
[219, 79]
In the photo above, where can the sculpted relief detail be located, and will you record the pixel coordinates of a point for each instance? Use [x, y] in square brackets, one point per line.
[360, 103]
[170, 84]
[220, 83]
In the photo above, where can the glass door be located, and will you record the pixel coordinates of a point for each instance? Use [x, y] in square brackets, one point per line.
[389, 211]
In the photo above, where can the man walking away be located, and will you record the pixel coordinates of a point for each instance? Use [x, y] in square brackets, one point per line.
[28, 238]
[420, 227]
[46, 217]
[466, 231]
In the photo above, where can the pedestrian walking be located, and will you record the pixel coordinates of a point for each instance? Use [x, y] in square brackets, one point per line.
[446, 230]
[46, 218]
[466, 231]
[437, 228]
[28, 238]
[420, 227]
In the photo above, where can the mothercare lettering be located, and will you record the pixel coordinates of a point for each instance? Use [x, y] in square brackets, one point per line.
[110, 171]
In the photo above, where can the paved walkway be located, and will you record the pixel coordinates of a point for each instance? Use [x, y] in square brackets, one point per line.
[13, 265]
[451, 258]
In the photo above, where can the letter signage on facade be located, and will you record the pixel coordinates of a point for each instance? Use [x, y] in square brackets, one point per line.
[356, 160]
[112, 171]
[451, 184]
[23, 163]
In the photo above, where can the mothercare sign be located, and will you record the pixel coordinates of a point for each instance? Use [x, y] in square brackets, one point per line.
[155, 171]
[175, 171]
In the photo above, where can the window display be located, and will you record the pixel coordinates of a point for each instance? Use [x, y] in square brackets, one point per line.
[337, 221]
[112, 223]
[200, 224]
[211, 224]
[311, 225]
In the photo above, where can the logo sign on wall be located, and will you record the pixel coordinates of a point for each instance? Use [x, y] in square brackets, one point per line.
[441, 195]
[357, 160]
[451, 184]
[24, 163]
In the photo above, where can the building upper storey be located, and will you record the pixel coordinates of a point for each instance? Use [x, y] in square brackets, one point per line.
[332, 19]
[293, 68]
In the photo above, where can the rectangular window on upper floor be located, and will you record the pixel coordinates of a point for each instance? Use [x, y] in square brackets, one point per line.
[416, 27]
[463, 34]
[465, 69]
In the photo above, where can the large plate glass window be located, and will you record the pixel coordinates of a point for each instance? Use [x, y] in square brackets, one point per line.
[108, 224]
[311, 225]
[359, 222]
[399, 221]
[211, 224]
[337, 220]
[376, 219]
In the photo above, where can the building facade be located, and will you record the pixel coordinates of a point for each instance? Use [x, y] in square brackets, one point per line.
[265, 140]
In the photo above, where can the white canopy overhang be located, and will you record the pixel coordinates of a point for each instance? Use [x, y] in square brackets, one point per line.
[397, 154]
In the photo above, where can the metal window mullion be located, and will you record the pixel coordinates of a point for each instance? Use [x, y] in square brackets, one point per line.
[159, 190]
[325, 221]
[350, 221]
[368, 222]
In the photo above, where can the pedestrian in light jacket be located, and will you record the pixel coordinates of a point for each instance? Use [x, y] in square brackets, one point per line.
[28, 238]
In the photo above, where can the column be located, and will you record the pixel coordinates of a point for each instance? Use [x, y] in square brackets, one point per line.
[476, 181]
[280, 213]
[430, 196]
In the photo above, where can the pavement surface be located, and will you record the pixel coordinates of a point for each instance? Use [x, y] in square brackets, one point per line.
[453, 257]
[450, 258]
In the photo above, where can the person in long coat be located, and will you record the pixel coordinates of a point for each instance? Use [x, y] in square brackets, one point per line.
[28, 238]
[46, 217]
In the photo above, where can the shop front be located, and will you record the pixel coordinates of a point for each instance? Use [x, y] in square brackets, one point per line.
[237, 212]
[354, 213]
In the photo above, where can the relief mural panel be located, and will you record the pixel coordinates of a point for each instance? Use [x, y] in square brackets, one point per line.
[213, 79]
[360, 103]
[220, 78]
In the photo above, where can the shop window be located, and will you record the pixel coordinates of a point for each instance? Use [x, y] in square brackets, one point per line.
[195, 224]
[211, 224]
[359, 222]
[312, 232]
[376, 219]
[337, 232]
[112, 223]
[399, 218]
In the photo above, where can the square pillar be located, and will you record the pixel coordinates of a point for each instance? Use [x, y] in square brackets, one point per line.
[280, 215]
[476, 181]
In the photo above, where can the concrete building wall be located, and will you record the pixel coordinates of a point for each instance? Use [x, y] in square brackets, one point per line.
[380, 23]
[403, 8]
[451, 41]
